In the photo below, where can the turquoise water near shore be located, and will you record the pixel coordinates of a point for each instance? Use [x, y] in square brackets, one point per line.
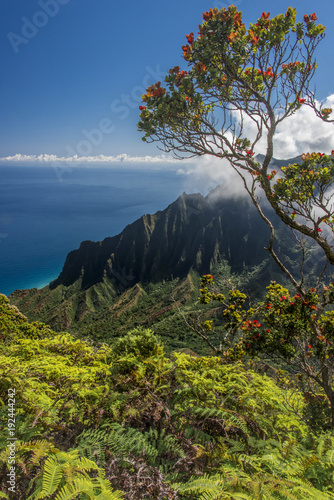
[42, 219]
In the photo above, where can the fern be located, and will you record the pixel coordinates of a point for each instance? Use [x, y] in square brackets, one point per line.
[53, 473]
[210, 488]
[73, 489]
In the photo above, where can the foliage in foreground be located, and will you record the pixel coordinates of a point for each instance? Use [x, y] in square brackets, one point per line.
[127, 422]
[294, 328]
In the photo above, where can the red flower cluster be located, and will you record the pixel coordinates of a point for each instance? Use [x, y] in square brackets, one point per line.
[190, 38]
[237, 20]
[186, 52]
[154, 90]
[142, 108]
[254, 39]
[269, 73]
[210, 14]
[301, 101]
[311, 17]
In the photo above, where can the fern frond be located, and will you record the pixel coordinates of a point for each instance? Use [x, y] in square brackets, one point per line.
[72, 490]
[53, 473]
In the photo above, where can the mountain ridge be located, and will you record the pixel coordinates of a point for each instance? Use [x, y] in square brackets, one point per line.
[193, 234]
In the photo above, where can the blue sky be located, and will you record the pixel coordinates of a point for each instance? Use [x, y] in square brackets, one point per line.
[70, 67]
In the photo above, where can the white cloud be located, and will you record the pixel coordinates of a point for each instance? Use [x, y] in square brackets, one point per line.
[301, 133]
[206, 172]
[71, 161]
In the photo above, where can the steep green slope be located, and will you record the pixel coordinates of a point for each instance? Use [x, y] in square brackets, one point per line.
[193, 235]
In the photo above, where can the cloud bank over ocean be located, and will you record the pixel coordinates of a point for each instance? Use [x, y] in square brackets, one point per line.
[302, 132]
[51, 159]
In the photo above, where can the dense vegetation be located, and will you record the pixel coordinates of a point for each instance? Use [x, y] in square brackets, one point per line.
[125, 421]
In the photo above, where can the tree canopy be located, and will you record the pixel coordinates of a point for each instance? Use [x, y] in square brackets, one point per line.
[261, 74]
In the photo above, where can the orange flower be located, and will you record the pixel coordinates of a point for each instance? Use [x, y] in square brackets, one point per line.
[237, 20]
[190, 38]
[186, 52]
[208, 15]
[265, 16]
[232, 36]
[301, 101]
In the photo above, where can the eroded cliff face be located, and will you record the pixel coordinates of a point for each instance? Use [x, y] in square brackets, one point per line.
[191, 233]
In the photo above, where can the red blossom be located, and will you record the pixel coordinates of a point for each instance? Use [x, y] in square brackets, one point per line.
[142, 108]
[301, 101]
[186, 52]
[190, 38]
[265, 15]
[268, 331]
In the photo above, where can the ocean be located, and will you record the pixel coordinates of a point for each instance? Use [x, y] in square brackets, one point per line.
[43, 216]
